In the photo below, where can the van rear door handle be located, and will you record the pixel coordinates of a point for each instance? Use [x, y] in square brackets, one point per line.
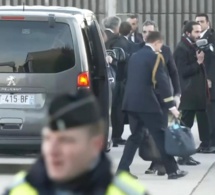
[10, 123]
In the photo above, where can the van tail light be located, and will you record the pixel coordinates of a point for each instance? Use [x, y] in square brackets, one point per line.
[12, 18]
[83, 80]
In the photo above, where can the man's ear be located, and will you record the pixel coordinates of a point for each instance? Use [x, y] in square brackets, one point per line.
[187, 34]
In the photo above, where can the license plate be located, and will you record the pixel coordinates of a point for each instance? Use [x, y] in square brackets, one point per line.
[17, 99]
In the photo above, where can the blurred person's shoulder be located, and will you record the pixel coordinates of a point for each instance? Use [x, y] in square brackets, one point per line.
[126, 183]
[18, 183]
[22, 181]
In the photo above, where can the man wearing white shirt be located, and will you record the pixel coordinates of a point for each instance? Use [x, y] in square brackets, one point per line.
[135, 36]
[203, 20]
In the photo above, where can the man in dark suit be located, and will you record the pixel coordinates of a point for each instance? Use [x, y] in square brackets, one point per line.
[111, 25]
[209, 34]
[145, 74]
[122, 41]
[150, 26]
[194, 98]
[117, 116]
[135, 36]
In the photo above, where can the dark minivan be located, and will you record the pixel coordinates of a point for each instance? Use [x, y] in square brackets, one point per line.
[45, 52]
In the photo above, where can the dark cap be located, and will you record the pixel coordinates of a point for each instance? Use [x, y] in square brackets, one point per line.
[68, 111]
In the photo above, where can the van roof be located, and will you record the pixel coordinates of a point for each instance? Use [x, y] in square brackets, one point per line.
[72, 10]
[35, 14]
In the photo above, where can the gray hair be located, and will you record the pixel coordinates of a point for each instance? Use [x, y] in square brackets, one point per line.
[111, 22]
[151, 22]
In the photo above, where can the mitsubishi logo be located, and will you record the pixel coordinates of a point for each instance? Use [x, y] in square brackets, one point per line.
[11, 81]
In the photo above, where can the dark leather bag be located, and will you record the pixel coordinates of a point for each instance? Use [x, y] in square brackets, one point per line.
[179, 140]
[148, 150]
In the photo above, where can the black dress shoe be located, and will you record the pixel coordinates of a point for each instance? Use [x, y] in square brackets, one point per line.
[119, 141]
[150, 171]
[210, 150]
[187, 161]
[195, 161]
[177, 174]
[158, 170]
[202, 149]
[161, 171]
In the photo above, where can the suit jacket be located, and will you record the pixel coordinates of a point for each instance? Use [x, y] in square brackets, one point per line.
[111, 38]
[123, 43]
[138, 38]
[129, 48]
[172, 69]
[192, 77]
[210, 36]
[210, 61]
[140, 95]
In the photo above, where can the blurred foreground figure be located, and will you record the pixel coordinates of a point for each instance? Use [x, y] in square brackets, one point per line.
[72, 160]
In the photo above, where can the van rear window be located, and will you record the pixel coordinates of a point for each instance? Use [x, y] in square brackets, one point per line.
[35, 47]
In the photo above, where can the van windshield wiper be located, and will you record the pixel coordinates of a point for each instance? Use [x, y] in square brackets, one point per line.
[10, 64]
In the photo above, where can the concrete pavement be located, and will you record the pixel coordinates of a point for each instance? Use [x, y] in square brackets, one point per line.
[206, 185]
[195, 183]
[159, 185]
[199, 181]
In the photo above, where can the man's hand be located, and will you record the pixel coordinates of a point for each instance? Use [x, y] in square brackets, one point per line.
[209, 83]
[109, 59]
[200, 57]
[177, 100]
[175, 112]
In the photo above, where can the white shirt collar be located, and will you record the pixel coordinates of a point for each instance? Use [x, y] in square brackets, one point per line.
[126, 37]
[109, 30]
[149, 45]
[189, 40]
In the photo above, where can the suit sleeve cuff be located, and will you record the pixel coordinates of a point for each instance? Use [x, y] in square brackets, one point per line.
[169, 101]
